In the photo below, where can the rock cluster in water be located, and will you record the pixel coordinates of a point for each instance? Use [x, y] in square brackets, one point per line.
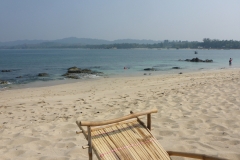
[74, 72]
[3, 82]
[197, 60]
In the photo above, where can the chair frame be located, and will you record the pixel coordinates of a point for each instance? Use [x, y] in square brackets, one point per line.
[92, 125]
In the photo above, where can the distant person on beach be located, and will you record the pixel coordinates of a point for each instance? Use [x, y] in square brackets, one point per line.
[230, 61]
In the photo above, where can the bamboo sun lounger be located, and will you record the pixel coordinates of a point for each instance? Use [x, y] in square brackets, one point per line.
[128, 138]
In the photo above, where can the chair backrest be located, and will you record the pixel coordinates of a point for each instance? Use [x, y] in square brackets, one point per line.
[123, 138]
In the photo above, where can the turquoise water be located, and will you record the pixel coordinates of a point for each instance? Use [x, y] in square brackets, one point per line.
[28, 63]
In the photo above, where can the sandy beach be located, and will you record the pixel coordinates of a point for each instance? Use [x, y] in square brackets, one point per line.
[197, 112]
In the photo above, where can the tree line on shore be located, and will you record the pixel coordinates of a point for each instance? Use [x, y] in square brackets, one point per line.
[206, 44]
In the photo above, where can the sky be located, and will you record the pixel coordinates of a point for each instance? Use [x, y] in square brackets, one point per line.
[190, 20]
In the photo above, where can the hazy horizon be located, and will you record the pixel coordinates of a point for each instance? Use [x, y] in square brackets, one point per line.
[162, 40]
[114, 20]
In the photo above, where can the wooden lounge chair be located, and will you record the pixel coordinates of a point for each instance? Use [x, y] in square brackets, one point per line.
[128, 138]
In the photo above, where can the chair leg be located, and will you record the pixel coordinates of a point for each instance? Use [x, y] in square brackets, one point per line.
[90, 156]
[149, 121]
[89, 143]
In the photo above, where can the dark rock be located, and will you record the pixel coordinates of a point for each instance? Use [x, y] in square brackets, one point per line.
[149, 69]
[180, 73]
[176, 68]
[43, 75]
[6, 70]
[74, 70]
[196, 60]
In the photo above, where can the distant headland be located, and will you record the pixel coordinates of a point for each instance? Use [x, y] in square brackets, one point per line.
[88, 43]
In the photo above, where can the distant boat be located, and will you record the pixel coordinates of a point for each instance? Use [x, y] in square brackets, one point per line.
[195, 52]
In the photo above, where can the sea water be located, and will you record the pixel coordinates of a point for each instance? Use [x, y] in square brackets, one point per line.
[25, 65]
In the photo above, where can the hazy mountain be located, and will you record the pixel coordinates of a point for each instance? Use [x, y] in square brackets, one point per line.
[21, 42]
[74, 40]
[143, 41]
[89, 41]
[84, 41]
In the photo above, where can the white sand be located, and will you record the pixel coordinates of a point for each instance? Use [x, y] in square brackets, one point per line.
[197, 112]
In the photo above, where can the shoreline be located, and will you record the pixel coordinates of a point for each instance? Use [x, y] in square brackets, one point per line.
[49, 83]
[197, 112]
